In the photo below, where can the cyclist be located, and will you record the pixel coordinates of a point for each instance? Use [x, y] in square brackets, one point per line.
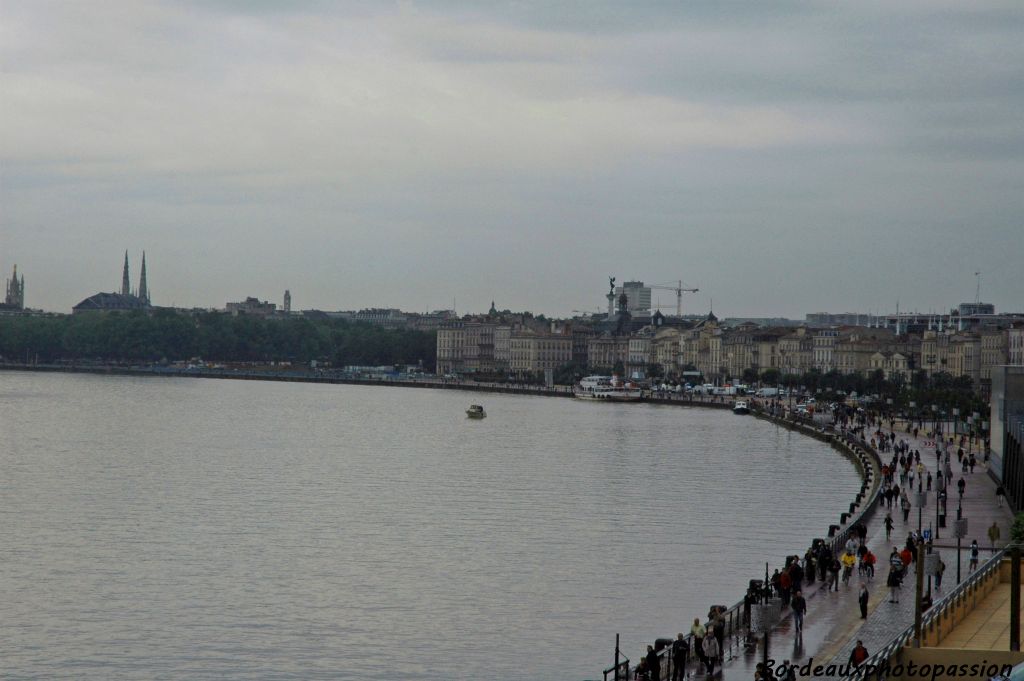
[848, 560]
[867, 565]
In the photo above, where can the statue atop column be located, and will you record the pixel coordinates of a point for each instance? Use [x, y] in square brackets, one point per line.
[611, 285]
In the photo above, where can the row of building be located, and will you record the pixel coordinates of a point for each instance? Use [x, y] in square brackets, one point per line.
[127, 299]
[522, 344]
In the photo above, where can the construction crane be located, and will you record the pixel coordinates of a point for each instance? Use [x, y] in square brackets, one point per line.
[679, 294]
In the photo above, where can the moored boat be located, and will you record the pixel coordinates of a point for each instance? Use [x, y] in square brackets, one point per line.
[740, 407]
[607, 388]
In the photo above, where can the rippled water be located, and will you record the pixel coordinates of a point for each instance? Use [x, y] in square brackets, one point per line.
[159, 528]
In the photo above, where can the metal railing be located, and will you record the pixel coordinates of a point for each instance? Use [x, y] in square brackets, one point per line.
[878, 664]
[736, 622]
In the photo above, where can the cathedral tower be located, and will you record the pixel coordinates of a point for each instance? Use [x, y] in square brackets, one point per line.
[126, 289]
[15, 291]
[143, 289]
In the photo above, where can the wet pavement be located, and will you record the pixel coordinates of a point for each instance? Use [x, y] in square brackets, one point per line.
[832, 624]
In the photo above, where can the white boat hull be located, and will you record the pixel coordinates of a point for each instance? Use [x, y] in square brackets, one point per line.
[606, 389]
[624, 396]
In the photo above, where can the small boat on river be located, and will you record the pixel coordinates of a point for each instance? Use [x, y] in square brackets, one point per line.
[476, 411]
[740, 407]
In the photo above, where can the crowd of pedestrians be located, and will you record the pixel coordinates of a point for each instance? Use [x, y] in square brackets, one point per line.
[903, 474]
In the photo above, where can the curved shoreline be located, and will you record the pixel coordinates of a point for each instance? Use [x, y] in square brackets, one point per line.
[305, 376]
[738, 618]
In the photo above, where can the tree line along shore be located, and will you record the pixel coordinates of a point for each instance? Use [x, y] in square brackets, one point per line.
[166, 336]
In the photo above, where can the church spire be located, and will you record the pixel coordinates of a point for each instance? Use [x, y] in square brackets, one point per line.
[126, 288]
[143, 289]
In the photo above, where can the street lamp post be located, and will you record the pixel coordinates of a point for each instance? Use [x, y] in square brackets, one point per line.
[922, 497]
[984, 439]
[960, 529]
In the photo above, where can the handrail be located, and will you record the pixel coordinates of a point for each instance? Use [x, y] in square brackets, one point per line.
[623, 663]
[878, 663]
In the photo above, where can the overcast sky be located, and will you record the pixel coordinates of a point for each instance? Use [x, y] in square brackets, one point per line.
[784, 157]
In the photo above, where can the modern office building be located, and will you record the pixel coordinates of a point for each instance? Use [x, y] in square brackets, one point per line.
[638, 297]
[1007, 432]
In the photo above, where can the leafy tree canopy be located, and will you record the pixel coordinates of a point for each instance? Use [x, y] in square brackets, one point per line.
[166, 335]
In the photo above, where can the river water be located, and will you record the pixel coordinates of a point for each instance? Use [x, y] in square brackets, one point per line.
[174, 528]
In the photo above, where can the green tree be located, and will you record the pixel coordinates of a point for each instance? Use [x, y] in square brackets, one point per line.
[1017, 529]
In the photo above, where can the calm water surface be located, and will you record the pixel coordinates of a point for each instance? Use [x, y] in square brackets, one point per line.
[204, 529]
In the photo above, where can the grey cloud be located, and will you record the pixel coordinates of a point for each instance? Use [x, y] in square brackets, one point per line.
[784, 157]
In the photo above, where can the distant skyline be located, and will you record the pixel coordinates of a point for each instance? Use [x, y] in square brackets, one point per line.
[785, 158]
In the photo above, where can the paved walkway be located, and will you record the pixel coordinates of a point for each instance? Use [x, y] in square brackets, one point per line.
[832, 624]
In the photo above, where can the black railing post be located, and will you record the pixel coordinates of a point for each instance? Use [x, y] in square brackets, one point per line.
[617, 658]
[1015, 598]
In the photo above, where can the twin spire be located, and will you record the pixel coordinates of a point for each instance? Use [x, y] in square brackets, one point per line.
[143, 292]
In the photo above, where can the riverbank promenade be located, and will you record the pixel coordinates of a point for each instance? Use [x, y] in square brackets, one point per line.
[833, 623]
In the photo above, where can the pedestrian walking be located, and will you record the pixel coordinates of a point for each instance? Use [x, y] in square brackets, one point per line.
[799, 606]
[796, 574]
[718, 628]
[974, 556]
[653, 664]
[928, 481]
[939, 571]
[859, 654]
[862, 601]
[834, 567]
[680, 651]
[888, 526]
[993, 535]
[893, 582]
[711, 653]
[905, 505]
[907, 555]
[698, 632]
